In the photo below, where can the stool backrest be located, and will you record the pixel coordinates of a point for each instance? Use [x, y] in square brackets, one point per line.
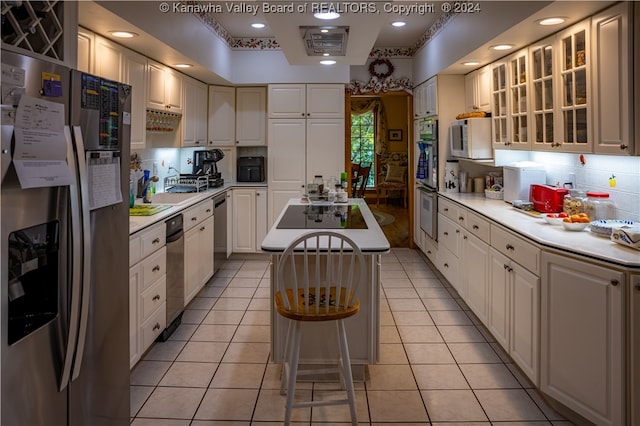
[321, 263]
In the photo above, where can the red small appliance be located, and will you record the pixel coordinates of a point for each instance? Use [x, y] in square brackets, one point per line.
[546, 198]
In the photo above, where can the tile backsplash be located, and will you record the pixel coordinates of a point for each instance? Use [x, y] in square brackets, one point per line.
[594, 175]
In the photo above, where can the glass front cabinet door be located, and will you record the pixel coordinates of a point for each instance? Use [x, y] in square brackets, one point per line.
[518, 81]
[542, 106]
[499, 115]
[573, 91]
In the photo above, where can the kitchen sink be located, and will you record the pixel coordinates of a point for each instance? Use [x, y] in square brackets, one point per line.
[173, 198]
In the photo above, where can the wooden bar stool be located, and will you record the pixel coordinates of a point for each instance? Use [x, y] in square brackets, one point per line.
[317, 278]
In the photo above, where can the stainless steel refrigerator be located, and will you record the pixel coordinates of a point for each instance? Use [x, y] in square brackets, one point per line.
[64, 300]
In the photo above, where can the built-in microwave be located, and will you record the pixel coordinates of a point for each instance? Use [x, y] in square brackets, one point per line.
[471, 138]
[427, 144]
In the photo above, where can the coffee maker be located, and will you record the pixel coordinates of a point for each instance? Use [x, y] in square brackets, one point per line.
[204, 164]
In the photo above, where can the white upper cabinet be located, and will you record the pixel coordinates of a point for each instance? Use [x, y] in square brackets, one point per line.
[251, 116]
[542, 72]
[477, 86]
[611, 66]
[222, 116]
[86, 52]
[325, 101]
[287, 101]
[430, 99]
[165, 88]
[194, 118]
[134, 73]
[108, 59]
[573, 91]
[306, 101]
[499, 110]
[518, 79]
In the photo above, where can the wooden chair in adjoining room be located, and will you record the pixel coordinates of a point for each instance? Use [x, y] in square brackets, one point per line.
[359, 178]
[394, 179]
[317, 279]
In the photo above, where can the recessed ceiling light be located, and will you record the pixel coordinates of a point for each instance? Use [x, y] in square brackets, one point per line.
[123, 34]
[470, 63]
[325, 13]
[552, 21]
[324, 30]
[325, 54]
[327, 62]
[398, 24]
[257, 25]
[502, 47]
[183, 65]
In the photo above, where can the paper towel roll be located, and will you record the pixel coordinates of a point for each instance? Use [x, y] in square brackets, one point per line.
[451, 176]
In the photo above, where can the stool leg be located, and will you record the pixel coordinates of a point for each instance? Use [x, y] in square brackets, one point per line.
[287, 356]
[293, 371]
[346, 367]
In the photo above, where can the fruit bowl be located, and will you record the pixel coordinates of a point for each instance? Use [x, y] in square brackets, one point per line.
[553, 219]
[574, 226]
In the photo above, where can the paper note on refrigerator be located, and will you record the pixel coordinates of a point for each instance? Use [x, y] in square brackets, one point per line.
[40, 155]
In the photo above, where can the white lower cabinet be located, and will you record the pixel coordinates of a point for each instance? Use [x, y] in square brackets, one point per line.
[582, 338]
[634, 355]
[249, 208]
[513, 316]
[198, 248]
[474, 274]
[447, 257]
[147, 289]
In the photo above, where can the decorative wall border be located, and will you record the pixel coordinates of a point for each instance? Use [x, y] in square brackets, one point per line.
[270, 43]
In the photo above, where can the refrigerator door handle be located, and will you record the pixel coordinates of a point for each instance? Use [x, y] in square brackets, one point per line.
[85, 216]
[76, 272]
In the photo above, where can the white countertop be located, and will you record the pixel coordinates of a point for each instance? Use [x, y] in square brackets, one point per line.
[368, 240]
[584, 242]
[138, 223]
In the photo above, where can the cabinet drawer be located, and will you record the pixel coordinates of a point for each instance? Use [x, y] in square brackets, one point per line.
[152, 327]
[447, 264]
[477, 225]
[153, 239]
[448, 232]
[153, 267]
[448, 209]
[430, 248]
[152, 298]
[197, 213]
[135, 250]
[516, 248]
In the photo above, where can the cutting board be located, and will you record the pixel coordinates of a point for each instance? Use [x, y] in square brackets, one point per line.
[146, 210]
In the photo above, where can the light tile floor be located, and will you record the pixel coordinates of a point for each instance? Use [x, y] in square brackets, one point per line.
[437, 366]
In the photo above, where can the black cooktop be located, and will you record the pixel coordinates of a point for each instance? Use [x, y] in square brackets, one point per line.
[335, 216]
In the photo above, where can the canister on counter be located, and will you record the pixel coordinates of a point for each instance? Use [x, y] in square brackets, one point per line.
[478, 184]
[451, 176]
[573, 202]
[599, 206]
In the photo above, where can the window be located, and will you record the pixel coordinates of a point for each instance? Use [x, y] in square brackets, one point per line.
[363, 142]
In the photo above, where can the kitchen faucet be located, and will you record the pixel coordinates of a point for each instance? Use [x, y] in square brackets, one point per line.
[143, 186]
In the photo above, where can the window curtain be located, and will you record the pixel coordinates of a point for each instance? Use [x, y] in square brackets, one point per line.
[361, 106]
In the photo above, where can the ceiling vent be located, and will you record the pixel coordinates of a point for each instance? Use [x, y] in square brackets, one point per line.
[325, 40]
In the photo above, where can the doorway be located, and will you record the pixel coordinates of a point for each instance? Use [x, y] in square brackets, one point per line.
[378, 136]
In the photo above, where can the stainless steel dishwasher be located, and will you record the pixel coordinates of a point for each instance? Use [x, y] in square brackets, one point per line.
[220, 230]
[175, 275]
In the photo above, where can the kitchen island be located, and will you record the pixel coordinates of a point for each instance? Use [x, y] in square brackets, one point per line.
[355, 220]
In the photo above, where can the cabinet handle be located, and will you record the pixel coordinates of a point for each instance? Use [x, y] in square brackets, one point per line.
[446, 209]
[193, 219]
[446, 234]
[505, 266]
[203, 228]
[623, 146]
[446, 265]
[257, 194]
[460, 218]
[509, 269]
[464, 237]
[156, 327]
[155, 241]
[197, 142]
[156, 297]
[510, 247]
[476, 227]
[208, 210]
[614, 283]
[302, 114]
[156, 268]
[429, 252]
[457, 231]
